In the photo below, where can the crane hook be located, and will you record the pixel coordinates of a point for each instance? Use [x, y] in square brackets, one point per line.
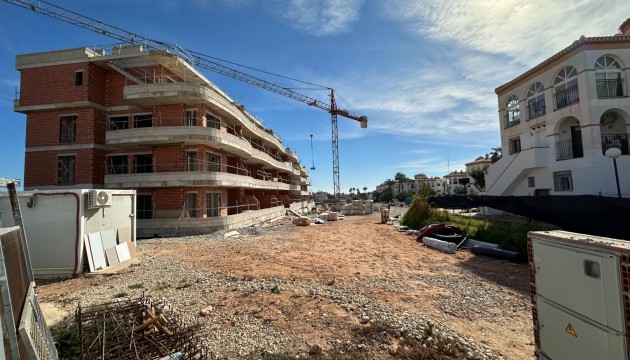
[312, 160]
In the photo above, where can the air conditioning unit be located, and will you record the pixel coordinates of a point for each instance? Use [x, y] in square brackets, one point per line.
[97, 199]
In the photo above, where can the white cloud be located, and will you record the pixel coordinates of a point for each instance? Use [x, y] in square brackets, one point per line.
[321, 17]
[529, 31]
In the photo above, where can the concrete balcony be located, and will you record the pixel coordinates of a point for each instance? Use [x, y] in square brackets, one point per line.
[147, 95]
[179, 134]
[152, 136]
[191, 178]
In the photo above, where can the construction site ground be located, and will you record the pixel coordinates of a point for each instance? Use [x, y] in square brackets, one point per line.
[304, 291]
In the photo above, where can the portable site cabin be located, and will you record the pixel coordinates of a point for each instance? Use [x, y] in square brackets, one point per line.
[57, 223]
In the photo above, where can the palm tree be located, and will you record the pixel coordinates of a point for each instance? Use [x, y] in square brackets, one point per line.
[496, 154]
[365, 189]
[400, 178]
[389, 183]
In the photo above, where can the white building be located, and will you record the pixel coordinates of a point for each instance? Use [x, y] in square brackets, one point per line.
[479, 164]
[454, 180]
[436, 183]
[558, 119]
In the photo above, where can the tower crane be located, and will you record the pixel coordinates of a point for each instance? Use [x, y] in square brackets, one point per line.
[196, 59]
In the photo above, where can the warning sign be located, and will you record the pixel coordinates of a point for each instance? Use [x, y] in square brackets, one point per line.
[571, 330]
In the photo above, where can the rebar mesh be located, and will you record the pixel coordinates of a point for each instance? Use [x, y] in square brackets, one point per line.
[106, 332]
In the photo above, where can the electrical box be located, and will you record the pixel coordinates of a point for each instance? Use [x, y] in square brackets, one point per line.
[579, 292]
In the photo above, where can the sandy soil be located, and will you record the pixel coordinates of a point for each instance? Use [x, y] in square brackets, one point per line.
[360, 253]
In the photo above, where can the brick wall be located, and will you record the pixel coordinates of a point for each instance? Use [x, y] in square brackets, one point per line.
[169, 115]
[52, 84]
[115, 86]
[96, 82]
[42, 128]
[41, 167]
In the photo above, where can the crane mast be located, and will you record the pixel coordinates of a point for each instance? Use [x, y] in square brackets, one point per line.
[197, 60]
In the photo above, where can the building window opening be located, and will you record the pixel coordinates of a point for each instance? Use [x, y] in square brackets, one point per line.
[191, 161]
[67, 129]
[191, 204]
[213, 204]
[531, 181]
[562, 181]
[191, 117]
[65, 169]
[213, 121]
[143, 163]
[142, 121]
[512, 112]
[144, 207]
[514, 145]
[608, 77]
[118, 122]
[566, 87]
[117, 164]
[536, 101]
[78, 78]
[214, 162]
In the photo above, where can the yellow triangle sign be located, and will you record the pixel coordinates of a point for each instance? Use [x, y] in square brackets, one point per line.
[571, 330]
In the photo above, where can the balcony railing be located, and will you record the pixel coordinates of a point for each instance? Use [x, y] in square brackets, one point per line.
[536, 109]
[511, 122]
[566, 97]
[619, 141]
[194, 166]
[609, 88]
[569, 149]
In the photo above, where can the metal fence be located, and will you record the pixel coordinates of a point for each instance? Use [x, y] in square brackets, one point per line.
[24, 331]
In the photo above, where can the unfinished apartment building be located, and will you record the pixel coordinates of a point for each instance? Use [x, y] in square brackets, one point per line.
[127, 118]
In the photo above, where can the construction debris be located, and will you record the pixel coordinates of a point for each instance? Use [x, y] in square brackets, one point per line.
[135, 329]
[302, 221]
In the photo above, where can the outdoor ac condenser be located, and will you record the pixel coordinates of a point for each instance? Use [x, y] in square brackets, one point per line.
[97, 198]
[580, 295]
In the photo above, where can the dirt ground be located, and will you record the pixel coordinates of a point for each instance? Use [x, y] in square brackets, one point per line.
[462, 292]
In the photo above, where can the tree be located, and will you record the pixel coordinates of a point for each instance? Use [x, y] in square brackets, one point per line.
[479, 176]
[365, 189]
[386, 195]
[400, 178]
[425, 191]
[496, 154]
[460, 190]
[389, 183]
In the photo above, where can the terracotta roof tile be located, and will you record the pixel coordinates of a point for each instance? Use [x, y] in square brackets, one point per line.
[576, 44]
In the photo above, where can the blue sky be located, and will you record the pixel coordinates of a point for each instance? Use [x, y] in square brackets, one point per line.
[424, 72]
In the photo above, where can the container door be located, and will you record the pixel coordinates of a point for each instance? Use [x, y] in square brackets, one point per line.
[569, 336]
[582, 281]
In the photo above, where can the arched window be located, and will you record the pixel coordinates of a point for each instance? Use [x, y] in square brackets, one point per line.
[536, 100]
[512, 113]
[608, 77]
[566, 87]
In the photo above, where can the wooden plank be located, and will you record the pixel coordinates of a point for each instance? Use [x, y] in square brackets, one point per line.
[112, 256]
[88, 252]
[124, 235]
[132, 249]
[109, 238]
[98, 253]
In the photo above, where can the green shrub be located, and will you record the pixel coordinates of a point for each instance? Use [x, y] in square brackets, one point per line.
[418, 213]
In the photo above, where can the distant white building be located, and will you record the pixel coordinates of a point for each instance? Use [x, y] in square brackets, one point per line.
[479, 164]
[436, 183]
[454, 180]
[559, 118]
[320, 196]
